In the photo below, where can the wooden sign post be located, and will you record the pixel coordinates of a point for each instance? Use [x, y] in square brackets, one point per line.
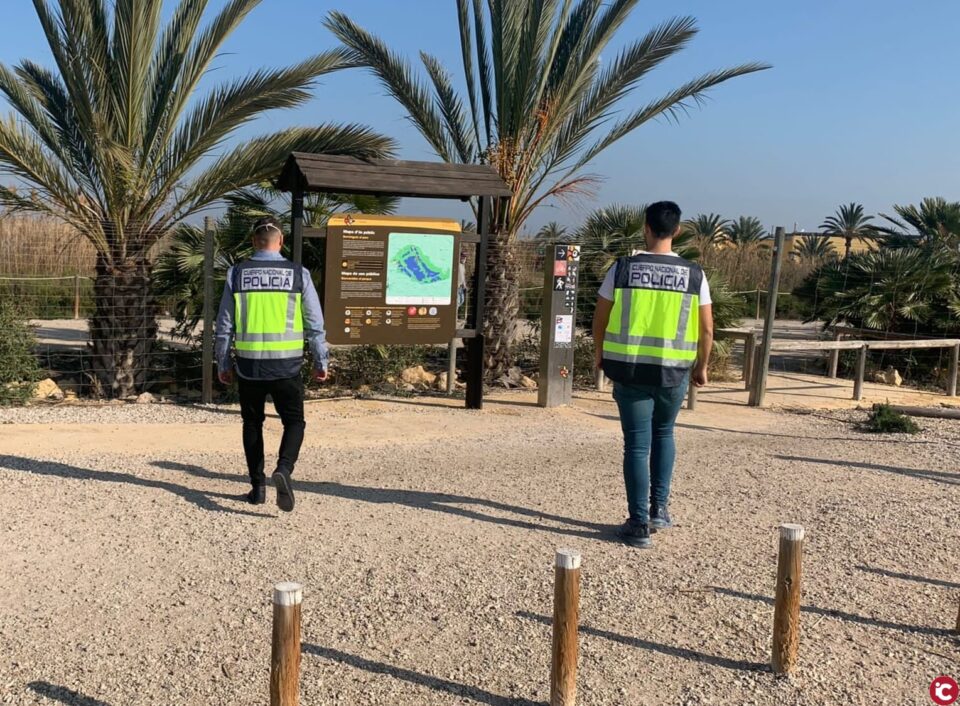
[786, 615]
[285, 657]
[566, 619]
[558, 325]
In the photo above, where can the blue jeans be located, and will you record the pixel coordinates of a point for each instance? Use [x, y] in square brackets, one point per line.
[647, 415]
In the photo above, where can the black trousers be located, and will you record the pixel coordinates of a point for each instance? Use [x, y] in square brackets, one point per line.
[288, 400]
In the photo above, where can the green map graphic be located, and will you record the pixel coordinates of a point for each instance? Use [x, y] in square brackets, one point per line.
[420, 269]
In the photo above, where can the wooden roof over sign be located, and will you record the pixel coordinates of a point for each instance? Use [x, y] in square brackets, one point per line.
[381, 177]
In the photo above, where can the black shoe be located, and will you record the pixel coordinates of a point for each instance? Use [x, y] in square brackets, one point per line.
[281, 480]
[660, 518]
[636, 534]
[257, 495]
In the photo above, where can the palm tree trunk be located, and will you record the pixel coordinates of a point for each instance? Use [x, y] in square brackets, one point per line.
[502, 306]
[847, 243]
[123, 328]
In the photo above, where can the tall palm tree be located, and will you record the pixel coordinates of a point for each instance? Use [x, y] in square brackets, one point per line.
[748, 236]
[116, 142]
[552, 232]
[814, 248]
[538, 107]
[849, 223]
[708, 230]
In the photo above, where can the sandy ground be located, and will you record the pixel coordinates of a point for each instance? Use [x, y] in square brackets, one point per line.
[132, 574]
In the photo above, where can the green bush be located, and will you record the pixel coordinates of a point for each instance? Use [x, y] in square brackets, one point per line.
[19, 370]
[884, 419]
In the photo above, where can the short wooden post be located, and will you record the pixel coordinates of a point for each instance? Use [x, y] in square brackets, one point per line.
[835, 356]
[285, 658]
[76, 296]
[954, 364]
[786, 614]
[692, 397]
[749, 353]
[758, 305]
[601, 380]
[566, 619]
[861, 373]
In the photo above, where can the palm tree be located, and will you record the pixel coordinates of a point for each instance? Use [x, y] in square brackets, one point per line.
[747, 233]
[814, 248]
[178, 273]
[116, 142]
[552, 232]
[935, 223]
[708, 230]
[538, 107]
[849, 223]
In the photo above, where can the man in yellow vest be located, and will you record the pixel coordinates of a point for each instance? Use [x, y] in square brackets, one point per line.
[269, 307]
[653, 332]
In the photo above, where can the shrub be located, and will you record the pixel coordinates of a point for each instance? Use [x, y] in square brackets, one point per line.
[371, 365]
[884, 419]
[19, 370]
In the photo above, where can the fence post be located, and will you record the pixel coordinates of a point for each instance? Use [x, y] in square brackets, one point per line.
[692, 397]
[786, 614]
[861, 373]
[835, 356]
[285, 655]
[749, 356]
[208, 255]
[566, 618]
[954, 365]
[76, 296]
[757, 317]
[759, 388]
[451, 366]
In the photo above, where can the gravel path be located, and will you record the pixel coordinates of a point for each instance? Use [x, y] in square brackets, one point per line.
[132, 574]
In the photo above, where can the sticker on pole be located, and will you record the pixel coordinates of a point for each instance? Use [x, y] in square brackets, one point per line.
[563, 329]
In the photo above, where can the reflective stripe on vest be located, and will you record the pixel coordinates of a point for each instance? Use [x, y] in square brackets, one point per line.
[655, 320]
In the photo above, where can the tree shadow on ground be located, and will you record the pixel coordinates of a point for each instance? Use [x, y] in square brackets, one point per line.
[427, 500]
[908, 577]
[63, 694]
[201, 499]
[461, 691]
[921, 474]
[668, 650]
[840, 615]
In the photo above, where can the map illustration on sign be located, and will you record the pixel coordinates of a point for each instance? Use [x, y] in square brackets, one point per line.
[420, 269]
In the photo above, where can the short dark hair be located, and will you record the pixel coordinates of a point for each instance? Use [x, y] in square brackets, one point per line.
[663, 217]
[266, 231]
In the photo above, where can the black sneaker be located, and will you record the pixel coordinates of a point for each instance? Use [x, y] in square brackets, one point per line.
[636, 534]
[281, 480]
[660, 518]
[257, 495]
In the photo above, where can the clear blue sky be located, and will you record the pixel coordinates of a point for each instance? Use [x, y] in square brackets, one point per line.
[861, 104]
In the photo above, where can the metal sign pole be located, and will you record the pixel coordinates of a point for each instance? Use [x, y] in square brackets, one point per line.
[558, 325]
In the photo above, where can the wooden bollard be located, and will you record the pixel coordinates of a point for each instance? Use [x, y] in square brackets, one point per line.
[786, 613]
[285, 657]
[566, 619]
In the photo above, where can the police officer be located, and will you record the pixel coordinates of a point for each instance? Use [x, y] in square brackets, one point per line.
[269, 307]
[653, 332]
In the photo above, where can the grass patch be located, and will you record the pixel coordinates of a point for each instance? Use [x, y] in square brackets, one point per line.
[884, 419]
